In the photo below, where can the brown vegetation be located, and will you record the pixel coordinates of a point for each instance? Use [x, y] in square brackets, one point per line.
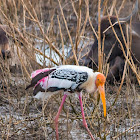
[37, 27]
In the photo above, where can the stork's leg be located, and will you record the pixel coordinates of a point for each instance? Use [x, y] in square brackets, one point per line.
[57, 116]
[83, 116]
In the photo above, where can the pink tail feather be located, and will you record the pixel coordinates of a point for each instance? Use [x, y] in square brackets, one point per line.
[36, 72]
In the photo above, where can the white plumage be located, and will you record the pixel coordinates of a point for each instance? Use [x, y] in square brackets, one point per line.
[64, 79]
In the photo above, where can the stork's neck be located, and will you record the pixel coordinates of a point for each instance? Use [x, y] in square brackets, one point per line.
[90, 85]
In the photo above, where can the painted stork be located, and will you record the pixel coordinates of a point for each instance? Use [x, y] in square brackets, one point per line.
[70, 79]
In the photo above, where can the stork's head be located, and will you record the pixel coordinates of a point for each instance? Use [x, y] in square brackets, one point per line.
[100, 82]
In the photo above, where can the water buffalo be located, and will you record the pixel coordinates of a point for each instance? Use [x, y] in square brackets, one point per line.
[112, 50]
[5, 51]
[9, 51]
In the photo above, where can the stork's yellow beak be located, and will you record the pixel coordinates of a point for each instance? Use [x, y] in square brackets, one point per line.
[102, 95]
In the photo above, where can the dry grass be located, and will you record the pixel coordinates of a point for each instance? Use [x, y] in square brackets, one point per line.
[55, 27]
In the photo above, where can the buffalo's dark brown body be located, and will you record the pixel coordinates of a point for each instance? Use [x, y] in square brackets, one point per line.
[112, 49]
[110, 43]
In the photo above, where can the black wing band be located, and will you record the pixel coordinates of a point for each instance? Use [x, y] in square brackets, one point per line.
[37, 89]
[71, 75]
[39, 77]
